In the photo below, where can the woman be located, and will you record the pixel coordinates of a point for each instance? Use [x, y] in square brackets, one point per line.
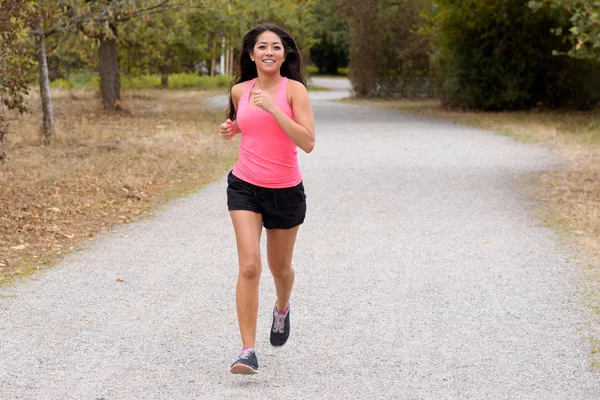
[269, 106]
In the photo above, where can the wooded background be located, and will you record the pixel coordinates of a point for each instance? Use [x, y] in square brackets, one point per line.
[473, 54]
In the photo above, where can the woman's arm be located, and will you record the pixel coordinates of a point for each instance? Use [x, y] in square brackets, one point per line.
[236, 95]
[302, 130]
[230, 128]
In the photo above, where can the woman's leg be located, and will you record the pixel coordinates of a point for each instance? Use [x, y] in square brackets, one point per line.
[280, 247]
[248, 227]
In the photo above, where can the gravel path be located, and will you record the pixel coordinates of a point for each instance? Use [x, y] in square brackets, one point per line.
[422, 273]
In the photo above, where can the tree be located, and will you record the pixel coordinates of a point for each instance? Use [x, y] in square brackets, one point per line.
[207, 27]
[163, 44]
[100, 19]
[388, 55]
[584, 32]
[332, 34]
[41, 28]
[15, 17]
[296, 16]
[498, 55]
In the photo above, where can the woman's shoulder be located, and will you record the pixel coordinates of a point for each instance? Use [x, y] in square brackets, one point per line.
[296, 86]
[295, 89]
[238, 88]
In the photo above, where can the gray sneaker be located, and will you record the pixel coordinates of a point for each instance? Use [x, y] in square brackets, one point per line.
[280, 330]
[246, 364]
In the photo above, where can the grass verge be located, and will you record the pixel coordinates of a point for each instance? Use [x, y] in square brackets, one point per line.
[175, 81]
[569, 198]
[316, 88]
[104, 169]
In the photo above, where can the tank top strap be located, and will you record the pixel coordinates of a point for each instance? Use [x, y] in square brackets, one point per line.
[282, 91]
[247, 90]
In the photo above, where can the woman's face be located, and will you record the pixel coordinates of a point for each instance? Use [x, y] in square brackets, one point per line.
[268, 53]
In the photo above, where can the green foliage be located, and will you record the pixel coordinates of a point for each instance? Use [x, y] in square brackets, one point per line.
[162, 43]
[70, 53]
[15, 17]
[77, 80]
[583, 31]
[15, 62]
[199, 82]
[333, 38]
[498, 55]
[207, 27]
[388, 56]
[178, 81]
[296, 16]
[62, 83]
[314, 70]
[343, 71]
[98, 18]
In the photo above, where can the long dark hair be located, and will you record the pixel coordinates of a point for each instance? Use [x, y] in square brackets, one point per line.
[292, 67]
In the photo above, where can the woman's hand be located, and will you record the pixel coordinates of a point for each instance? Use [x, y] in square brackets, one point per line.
[228, 129]
[263, 100]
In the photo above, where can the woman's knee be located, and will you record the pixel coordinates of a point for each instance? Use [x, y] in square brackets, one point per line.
[281, 271]
[250, 268]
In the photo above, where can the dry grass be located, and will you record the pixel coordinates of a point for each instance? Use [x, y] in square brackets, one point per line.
[102, 170]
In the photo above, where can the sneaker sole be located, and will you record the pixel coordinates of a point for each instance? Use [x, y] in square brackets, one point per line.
[241, 369]
[278, 344]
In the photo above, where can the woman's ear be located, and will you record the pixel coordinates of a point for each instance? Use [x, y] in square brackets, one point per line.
[251, 53]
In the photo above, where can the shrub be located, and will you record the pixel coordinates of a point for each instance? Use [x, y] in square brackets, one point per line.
[388, 57]
[498, 55]
[177, 81]
[78, 80]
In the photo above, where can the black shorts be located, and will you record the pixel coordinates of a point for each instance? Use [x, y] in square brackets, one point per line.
[280, 208]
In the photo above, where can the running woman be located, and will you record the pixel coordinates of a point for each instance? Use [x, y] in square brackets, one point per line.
[269, 106]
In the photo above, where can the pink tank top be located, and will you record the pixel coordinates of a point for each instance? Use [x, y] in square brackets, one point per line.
[268, 157]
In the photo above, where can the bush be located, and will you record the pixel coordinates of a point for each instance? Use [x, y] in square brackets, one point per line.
[313, 70]
[199, 82]
[498, 56]
[177, 81]
[78, 80]
[388, 57]
[140, 81]
[62, 83]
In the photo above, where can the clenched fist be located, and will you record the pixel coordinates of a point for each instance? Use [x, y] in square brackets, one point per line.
[263, 100]
[228, 129]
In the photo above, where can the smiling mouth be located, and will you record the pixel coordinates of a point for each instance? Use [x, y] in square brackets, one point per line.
[269, 61]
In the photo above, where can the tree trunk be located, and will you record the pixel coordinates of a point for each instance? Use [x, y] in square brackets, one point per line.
[47, 113]
[110, 81]
[364, 47]
[164, 69]
[212, 67]
[3, 129]
[226, 71]
[231, 67]
[164, 78]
